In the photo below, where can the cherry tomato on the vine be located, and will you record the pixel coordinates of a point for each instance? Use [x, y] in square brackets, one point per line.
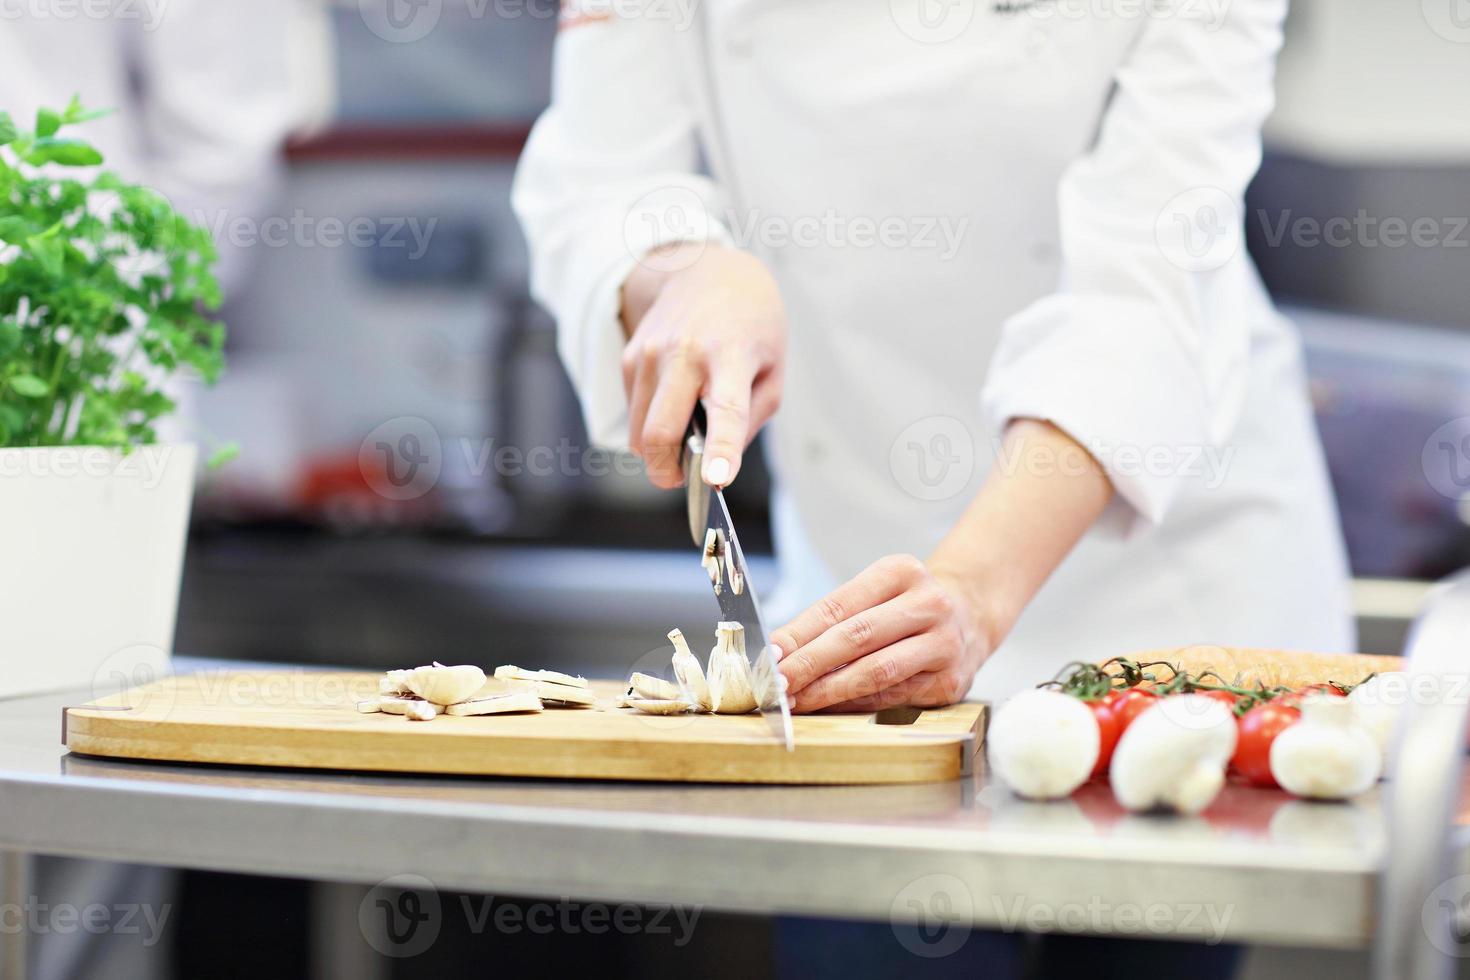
[1257, 729]
[1129, 704]
[1108, 729]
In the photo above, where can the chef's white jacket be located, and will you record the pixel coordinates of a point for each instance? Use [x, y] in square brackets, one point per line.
[203, 92]
[976, 211]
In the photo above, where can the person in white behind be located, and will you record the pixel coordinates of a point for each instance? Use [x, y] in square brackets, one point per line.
[989, 268]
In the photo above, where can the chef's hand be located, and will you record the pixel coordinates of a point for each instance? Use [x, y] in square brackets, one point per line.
[901, 632]
[910, 632]
[703, 322]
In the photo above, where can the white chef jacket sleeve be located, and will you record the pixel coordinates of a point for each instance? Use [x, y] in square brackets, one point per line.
[611, 171]
[1141, 353]
[223, 86]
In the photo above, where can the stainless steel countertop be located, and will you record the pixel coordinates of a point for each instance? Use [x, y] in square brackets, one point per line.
[1256, 867]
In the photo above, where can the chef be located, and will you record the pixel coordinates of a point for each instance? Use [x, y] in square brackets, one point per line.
[978, 269]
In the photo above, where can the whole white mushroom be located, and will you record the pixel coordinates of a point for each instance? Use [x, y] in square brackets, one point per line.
[1327, 755]
[1174, 755]
[1043, 744]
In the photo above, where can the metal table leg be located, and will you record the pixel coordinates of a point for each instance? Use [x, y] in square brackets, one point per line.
[1414, 941]
[15, 890]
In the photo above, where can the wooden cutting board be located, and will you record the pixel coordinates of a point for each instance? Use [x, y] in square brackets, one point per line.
[310, 720]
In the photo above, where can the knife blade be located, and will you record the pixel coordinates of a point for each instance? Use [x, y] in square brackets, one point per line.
[708, 512]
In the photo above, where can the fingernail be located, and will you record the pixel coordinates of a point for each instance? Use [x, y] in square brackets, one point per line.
[717, 471]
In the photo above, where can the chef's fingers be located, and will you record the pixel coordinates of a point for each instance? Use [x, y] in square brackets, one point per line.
[680, 379]
[640, 377]
[727, 410]
[871, 675]
[879, 582]
[864, 632]
[924, 690]
[765, 399]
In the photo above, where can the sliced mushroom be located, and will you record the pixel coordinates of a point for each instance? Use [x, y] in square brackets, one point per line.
[499, 704]
[446, 685]
[657, 706]
[394, 682]
[692, 684]
[648, 686]
[394, 704]
[731, 692]
[554, 695]
[421, 711]
[510, 672]
[369, 707]
[713, 558]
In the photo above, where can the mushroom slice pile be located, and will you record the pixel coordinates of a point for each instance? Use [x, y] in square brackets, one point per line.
[726, 689]
[557, 689]
[424, 693]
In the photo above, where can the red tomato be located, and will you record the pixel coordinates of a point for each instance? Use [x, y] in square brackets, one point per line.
[1129, 704]
[1108, 729]
[1258, 728]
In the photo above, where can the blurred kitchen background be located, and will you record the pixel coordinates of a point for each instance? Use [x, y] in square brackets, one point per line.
[426, 342]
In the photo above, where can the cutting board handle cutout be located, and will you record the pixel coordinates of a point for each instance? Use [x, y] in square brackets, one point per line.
[901, 715]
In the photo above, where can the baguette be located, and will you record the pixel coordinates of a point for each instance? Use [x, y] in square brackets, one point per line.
[1245, 667]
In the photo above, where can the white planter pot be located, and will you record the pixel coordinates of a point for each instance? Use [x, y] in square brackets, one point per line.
[91, 550]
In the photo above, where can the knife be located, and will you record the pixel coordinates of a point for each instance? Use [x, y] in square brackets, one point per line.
[708, 512]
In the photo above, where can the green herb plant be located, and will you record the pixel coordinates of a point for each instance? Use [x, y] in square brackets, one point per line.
[104, 293]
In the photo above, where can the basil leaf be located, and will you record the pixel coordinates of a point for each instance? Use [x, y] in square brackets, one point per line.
[29, 386]
[68, 153]
[47, 122]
